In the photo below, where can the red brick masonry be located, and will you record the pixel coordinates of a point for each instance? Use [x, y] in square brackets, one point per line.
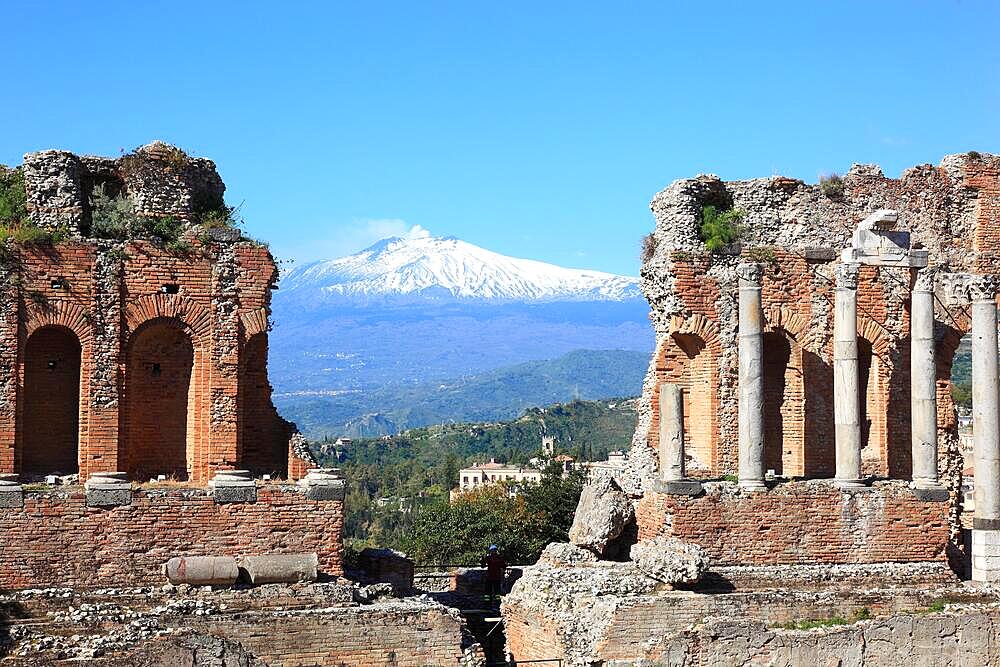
[56, 540]
[801, 522]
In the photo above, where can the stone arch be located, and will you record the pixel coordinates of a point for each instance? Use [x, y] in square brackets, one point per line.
[689, 357]
[195, 316]
[799, 416]
[254, 322]
[165, 371]
[72, 316]
[50, 410]
[76, 321]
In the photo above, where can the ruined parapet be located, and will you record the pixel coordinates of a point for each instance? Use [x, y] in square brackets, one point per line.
[161, 181]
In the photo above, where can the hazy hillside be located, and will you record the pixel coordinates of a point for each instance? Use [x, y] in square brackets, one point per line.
[494, 395]
[408, 463]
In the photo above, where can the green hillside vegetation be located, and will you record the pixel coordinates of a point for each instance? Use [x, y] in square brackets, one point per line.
[417, 468]
[499, 394]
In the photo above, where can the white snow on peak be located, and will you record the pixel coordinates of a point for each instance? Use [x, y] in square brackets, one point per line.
[423, 265]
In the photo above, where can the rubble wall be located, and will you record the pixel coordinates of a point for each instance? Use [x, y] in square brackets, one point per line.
[629, 623]
[57, 540]
[796, 232]
[387, 636]
[800, 523]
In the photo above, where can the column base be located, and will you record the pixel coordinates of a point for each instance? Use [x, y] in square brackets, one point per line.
[849, 483]
[753, 484]
[985, 555]
[929, 492]
[678, 487]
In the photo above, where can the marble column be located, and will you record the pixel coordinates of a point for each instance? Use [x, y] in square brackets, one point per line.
[671, 432]
[671, 451]
[846, 397]
[751, 378]
[923, 383]
[986, 430]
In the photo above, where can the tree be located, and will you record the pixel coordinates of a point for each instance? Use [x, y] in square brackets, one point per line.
[521, 526]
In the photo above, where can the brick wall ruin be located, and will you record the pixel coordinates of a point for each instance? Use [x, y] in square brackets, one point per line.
[126, 354]
[806, 522]
[796, 232]
[797, 235]
[56, 539]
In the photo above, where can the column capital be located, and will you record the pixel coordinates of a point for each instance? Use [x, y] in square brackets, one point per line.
[983, 288]
[847, 275]
[924, 281]
[749, 274]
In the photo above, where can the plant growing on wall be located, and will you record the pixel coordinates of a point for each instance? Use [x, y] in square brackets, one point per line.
[115, 218]
[13, 202]
[720, 228]
[832, 185]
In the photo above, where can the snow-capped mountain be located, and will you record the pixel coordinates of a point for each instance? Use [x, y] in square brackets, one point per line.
[435, 268]
[399, 327]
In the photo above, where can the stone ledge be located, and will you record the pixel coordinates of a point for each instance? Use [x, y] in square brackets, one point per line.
[684, 487]
[109, 497]
[931, 495]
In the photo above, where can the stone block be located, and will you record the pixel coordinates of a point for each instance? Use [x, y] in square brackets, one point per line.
[685, 487]
[233, 486]
[323, 484]
[108, 489]
[11, 499]
[109, 497]
[281, 568]
[601, 515]
[202, 570]
[235, 494]
[11, 494]
[931, 494]
[325, 492]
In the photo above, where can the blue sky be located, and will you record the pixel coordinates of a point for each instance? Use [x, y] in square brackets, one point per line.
[534, 129]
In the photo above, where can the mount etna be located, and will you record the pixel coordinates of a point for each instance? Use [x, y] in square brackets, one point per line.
[419, 330]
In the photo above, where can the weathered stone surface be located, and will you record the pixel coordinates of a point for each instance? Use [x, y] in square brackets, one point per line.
[560, 553]
[233, 486]
[601, 515]
[965, 640]
[202, 570]
[280, 568]
[670, 560]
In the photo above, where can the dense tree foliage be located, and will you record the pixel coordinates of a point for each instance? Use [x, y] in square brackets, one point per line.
[520, 523]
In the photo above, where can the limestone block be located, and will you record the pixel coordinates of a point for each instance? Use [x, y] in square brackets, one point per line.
[281, 568]
[233, 486]
[323, 484]
[931, 494]
[679, 487]
[108, 489]
[561, 554]
[11, 494]
[202, 570]
[670, 560]
[601, 515]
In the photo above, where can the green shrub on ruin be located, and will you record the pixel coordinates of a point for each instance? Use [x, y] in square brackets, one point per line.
[832, 185]
[13, 200]
[720, 228]
[762, 255]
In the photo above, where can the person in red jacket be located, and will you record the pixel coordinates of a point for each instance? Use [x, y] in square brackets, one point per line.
[496, 568]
